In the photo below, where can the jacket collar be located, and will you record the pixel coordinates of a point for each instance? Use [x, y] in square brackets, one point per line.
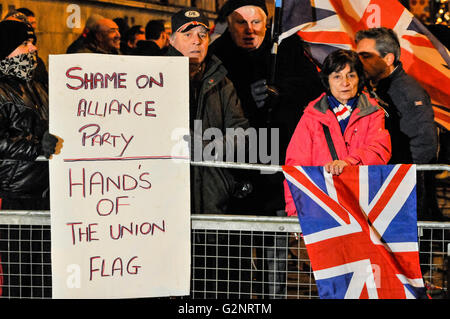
[171, 51]
[213, 68]
[364, 106]
[385, 83]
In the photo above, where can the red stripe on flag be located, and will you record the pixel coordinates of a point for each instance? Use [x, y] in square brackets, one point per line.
[364, 293]
[442, 117]
[348, 16]
[347, 189]
[432, 80]
[390, 12]
[418, 41]
[335, 37]
[389, 191]
[349, 248]
[302, 179]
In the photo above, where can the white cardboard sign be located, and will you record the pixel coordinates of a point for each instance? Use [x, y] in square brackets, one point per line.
[120, 198]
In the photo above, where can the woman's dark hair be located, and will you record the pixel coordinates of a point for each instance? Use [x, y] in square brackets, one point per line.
[337, 60]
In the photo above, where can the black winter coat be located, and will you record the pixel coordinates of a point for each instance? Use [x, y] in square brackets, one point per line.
[23, 121]
[411, 119]
[296, 79]
[298, 83]
[216, 105]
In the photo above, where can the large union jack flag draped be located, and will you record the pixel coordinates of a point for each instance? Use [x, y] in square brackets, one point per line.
[326, 25]
[360, 230]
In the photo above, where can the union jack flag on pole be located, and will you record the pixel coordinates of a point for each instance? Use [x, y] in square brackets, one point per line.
[326, 25]
[360, 230]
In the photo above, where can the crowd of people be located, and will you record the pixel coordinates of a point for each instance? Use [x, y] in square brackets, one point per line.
[357, 108]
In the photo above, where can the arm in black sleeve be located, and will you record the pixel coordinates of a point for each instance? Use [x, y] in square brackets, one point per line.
[297, 78]
[15, 143]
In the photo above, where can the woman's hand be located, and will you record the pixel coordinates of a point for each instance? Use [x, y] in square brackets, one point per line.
[335, 167]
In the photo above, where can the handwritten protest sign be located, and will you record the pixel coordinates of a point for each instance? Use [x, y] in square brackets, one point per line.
[120, 199]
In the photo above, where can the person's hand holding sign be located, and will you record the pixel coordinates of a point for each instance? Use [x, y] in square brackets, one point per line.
[51, 144]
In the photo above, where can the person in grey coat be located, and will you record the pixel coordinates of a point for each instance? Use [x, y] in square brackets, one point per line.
[213, 105]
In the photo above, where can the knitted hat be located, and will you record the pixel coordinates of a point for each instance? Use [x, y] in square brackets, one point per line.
[232, 5]
[188, 18]
[13, 34]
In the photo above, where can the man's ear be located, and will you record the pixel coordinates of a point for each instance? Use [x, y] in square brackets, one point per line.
[389, 59]
[98, 37]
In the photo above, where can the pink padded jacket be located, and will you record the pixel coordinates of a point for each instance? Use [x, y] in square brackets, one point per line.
[365, 140]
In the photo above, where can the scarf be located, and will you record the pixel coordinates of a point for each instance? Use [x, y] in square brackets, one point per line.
[342, 111]
[20, 66]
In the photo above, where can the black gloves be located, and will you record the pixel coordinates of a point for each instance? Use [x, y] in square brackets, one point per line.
[260, 92]
[48, 143]
[242, 189]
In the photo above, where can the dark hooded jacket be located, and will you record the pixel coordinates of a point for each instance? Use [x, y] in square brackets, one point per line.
[23, 121]
[213, 101]
[413, 133]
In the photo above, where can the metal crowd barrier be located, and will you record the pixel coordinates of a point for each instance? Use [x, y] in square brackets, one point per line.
[245, 257]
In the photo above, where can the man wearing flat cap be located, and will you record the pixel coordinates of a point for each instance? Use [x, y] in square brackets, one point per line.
[245, 50]
[213, 104]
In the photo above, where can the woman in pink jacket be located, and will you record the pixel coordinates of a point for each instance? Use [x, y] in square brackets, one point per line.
[355, 122]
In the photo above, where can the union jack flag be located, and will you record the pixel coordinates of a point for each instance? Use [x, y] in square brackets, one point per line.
[360, 230]
[326, 25]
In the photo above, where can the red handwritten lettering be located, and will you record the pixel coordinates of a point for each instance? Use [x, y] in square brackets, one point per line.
[143, 81]
[78, 233]
[117, 267]
[135, 229]
[90, 108]
[95, 80]
[97, 183]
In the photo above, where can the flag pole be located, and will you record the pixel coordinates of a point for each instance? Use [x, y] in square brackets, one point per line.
[276, 31]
